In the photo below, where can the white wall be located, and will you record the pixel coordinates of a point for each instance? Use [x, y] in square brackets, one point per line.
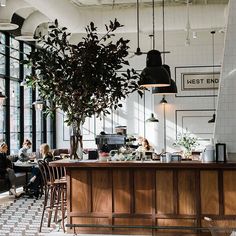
[199, 53]
[225, 128]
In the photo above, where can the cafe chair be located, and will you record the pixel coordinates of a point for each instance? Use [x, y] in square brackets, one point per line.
[55, 191]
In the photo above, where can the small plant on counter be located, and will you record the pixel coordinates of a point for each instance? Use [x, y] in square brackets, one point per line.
[187, 142]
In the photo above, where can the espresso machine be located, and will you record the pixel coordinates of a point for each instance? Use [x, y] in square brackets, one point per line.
[108, 142]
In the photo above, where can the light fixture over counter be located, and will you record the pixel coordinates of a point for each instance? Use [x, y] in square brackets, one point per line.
[213, 119]
[152, 119]
[154, 75]
[172, 89]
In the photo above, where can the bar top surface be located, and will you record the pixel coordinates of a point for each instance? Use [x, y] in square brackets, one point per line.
[68, 163]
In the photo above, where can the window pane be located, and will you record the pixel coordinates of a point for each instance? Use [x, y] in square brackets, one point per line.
[2, 38]
[14, 53]
[14, 93]
[49, 139]
[14, 107]
[2, 137]
[38, 140]
[27, 110]
[27, 49]
[2, 43]
[14, 142]
[27, 70]
[2, 48]
[14, 68]
[14, 43]
[49, 130]
[14, 119]
[2, 87]
[2, 64]
[2, 119]
[38, 125]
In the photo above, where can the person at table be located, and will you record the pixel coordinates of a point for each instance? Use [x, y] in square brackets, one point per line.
[35, 180]
[145, 147]
[23, 154]
[6, 170]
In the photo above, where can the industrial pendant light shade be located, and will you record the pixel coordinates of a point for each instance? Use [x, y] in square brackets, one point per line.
[38, 104]
[152, 119]
[154, 77]
[172, 89]
[163, 100]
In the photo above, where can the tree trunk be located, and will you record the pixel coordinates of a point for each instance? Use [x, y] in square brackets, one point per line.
[76, 144]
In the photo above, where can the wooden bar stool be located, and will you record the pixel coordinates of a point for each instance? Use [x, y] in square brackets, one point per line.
[55, 190]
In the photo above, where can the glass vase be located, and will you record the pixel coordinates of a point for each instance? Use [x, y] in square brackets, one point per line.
[187, 153]
[76, 147]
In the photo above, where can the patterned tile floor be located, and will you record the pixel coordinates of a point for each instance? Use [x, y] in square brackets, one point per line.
[21, 217]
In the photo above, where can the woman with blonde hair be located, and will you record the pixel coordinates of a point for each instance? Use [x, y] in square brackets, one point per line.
[35, 181]
[45, 152]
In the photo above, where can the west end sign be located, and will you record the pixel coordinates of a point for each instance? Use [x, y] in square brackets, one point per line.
[200, 81]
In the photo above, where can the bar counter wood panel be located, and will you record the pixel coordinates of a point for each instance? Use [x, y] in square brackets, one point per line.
[131, 193]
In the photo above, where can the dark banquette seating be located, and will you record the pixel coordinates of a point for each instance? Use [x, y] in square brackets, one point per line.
[20, 177]
[60, 152]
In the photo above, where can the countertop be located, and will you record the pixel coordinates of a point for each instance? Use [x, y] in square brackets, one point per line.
[68, 163]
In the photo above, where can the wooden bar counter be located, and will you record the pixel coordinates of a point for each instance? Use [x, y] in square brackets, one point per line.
[149, 194]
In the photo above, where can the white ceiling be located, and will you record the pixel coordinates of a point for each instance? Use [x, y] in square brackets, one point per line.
[126, 3]
[76, 14]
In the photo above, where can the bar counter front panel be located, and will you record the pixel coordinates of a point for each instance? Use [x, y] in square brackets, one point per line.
[149, 193]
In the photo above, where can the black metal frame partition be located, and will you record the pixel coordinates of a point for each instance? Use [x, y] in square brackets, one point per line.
[7, 78]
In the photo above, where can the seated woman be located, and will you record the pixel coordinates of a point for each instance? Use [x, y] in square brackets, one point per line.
[145, 147]
[6, 170]
[35, 180]
[22, 154]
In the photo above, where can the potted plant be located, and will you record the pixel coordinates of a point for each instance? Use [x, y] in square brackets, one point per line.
[187, 142]
[82, 80]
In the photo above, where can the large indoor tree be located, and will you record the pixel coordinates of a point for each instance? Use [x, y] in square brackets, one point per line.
[84, 79]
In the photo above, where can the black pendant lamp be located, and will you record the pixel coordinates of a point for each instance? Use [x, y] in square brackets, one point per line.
[163, 100]
[213, 119]
[154, 75]
[152, 119]
[172, 89]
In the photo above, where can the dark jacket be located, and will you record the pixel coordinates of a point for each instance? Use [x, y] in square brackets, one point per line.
[4, 164]
[48, 158]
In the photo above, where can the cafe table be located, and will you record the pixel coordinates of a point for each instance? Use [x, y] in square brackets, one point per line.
[25, 167]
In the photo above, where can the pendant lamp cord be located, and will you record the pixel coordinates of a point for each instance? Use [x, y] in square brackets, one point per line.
[163, 30]
[213, 69]
[138, 23]
[164, 114]
[153, 25]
